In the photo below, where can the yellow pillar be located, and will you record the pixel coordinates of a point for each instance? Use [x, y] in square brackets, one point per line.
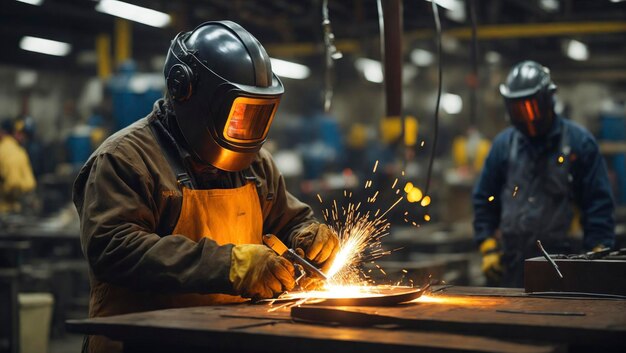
[103, 51]
[123, 40]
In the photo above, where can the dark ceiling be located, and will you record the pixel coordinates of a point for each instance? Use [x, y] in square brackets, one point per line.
[284, 22]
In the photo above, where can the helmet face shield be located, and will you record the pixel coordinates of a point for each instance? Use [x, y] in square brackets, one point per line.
[249, 119]
[529, 98]
[525, 114]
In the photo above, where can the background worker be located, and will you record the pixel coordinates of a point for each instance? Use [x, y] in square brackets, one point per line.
[16, 175]
[173, 208]
[536, 171]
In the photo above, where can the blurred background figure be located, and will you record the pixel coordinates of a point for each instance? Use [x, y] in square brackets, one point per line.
[537, 171]
[16, 175]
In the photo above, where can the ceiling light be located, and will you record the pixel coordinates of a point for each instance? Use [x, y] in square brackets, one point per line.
[421, 57]
[577, 50]
[549, 5]
[25, 78]
[32, 2]
[451, 5]
[451, 103]
[371, 69]
[134, 13]
[456, 9]
[45, 46]
[288, 69]
[493, 57]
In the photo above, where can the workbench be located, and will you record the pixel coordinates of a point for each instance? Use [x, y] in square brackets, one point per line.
[454, 319]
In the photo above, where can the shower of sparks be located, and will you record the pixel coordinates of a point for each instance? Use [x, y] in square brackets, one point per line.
[359, 238]
[360, 232]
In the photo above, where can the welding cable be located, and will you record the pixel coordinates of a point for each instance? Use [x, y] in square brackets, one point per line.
[429, 171]
[331, 55]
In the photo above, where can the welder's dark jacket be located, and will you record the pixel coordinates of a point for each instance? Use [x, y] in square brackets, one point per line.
[129, 202]
[534, 191]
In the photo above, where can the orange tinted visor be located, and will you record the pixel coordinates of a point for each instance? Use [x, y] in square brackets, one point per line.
[249, 119]
[525, 111]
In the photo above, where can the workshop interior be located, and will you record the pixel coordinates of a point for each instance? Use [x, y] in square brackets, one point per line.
[313, 175]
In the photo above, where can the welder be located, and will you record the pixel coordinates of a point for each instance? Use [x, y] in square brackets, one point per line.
[538, 172]
[173, 208]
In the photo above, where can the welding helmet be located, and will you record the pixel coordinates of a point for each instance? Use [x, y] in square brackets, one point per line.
[529, 98]
[224, 94]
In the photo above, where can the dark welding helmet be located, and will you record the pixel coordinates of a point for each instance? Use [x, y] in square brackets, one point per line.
[224, 93]
[529, 98]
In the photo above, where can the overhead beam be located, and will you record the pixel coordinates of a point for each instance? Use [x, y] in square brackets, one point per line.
[529, 30]
[486, 32]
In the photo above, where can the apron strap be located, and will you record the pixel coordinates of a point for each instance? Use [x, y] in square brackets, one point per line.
[565, 147]
[513, 146]
[248, 176]
[168, 146]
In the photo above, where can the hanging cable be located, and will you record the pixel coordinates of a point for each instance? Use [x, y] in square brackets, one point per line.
[429, 171]
[474, 63]
[332, 54]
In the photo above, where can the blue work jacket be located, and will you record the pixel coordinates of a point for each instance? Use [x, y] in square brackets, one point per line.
[588, 181]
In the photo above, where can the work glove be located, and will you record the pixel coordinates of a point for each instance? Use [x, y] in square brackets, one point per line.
[257, 272]
[319, 243]
[491, 266]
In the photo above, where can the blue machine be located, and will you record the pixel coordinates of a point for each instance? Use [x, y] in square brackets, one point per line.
[133, 94]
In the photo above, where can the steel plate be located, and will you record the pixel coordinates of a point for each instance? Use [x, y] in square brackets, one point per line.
[374, 296]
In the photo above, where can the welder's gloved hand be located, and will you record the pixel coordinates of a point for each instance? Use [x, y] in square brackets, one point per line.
[257, 272]
[491, 267]
[599, 247]
[320, 244]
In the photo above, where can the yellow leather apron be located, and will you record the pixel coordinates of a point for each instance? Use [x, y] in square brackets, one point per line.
[228, 216]
[224, 215]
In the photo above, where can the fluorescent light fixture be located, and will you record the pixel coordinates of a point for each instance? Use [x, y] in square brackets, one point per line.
[421, 57]
[288, 69]
[451, 103]
[371, 69]
[616, 1]
[577, 50]
[32, 2]
[45, 46]
[134, 13]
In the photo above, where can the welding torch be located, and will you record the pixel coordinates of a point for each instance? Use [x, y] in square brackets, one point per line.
[281, 249]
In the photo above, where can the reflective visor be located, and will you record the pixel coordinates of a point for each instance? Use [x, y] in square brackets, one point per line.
[249, 119]
[526, 112]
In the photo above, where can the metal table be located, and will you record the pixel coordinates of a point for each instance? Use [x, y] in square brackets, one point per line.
[462, 319]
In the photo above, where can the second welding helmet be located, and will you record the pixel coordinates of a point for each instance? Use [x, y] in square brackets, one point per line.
[224, 93]
[529, 98]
